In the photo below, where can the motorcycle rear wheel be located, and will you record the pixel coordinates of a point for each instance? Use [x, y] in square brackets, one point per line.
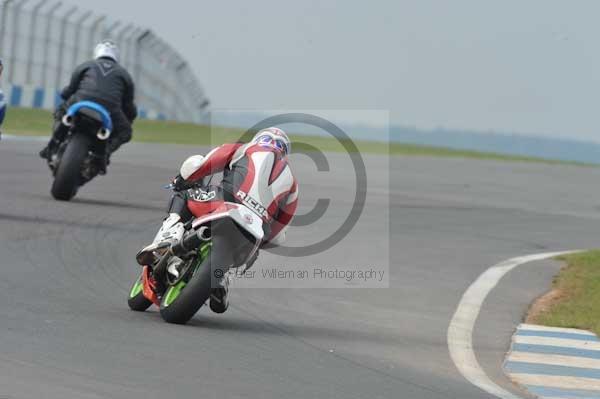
[182, 300]
[68, 175]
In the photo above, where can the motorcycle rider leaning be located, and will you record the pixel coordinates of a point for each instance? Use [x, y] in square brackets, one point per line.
[256, 174]
[104, 81]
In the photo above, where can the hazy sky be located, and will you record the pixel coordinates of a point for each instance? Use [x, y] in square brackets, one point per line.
[524, 66]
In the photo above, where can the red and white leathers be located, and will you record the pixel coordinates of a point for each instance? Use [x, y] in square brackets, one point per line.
[255, 175]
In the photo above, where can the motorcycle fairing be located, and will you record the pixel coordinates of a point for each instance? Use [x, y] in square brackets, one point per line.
[240, 214]
[104, 114]
[149, 287]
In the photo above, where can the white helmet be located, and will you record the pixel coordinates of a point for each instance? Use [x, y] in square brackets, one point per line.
[107, 49]
[273, 137]
[191, 165]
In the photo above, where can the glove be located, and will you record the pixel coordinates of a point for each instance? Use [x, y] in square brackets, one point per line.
[179, 183]
[130, 111]
[60, 111]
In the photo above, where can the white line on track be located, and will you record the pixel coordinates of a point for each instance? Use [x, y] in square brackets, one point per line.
[10, 137]
[460, 331]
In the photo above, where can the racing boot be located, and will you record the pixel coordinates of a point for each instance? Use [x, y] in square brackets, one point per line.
[49, 149]
[59, 132]
[219, 300]
[170, 233]
[100, 161]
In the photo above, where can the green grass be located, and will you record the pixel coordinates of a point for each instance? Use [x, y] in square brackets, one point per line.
[36, 122]
[577, 302]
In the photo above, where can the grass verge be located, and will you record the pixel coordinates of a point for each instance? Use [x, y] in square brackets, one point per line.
[574, 301]
[37, 122]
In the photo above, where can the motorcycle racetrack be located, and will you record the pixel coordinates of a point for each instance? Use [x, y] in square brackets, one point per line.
[66, 330]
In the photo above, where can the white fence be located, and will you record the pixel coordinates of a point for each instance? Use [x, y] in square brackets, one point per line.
[42, 42]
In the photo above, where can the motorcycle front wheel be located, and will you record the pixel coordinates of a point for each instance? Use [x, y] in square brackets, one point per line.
[137, 301]
[183, 299]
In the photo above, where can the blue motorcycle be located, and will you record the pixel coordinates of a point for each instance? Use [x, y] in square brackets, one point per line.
[77, 159]
[2, 109]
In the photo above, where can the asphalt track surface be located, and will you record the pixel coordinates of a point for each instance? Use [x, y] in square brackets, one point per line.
[66, 331]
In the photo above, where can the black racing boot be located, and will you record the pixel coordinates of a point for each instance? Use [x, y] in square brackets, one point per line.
[45, 153]
[59, 132]
[48, 150]
[101, 161]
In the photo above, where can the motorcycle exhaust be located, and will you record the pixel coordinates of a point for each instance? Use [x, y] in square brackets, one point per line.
[192, 241]
[67, 120]
[186, 245]
[204, 233]
[103, 133]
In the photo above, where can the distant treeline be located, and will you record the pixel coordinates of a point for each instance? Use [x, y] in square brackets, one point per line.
[513, 144]
[503, 143]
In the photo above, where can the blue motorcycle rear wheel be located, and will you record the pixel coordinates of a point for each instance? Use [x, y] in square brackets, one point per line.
[68, 174]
